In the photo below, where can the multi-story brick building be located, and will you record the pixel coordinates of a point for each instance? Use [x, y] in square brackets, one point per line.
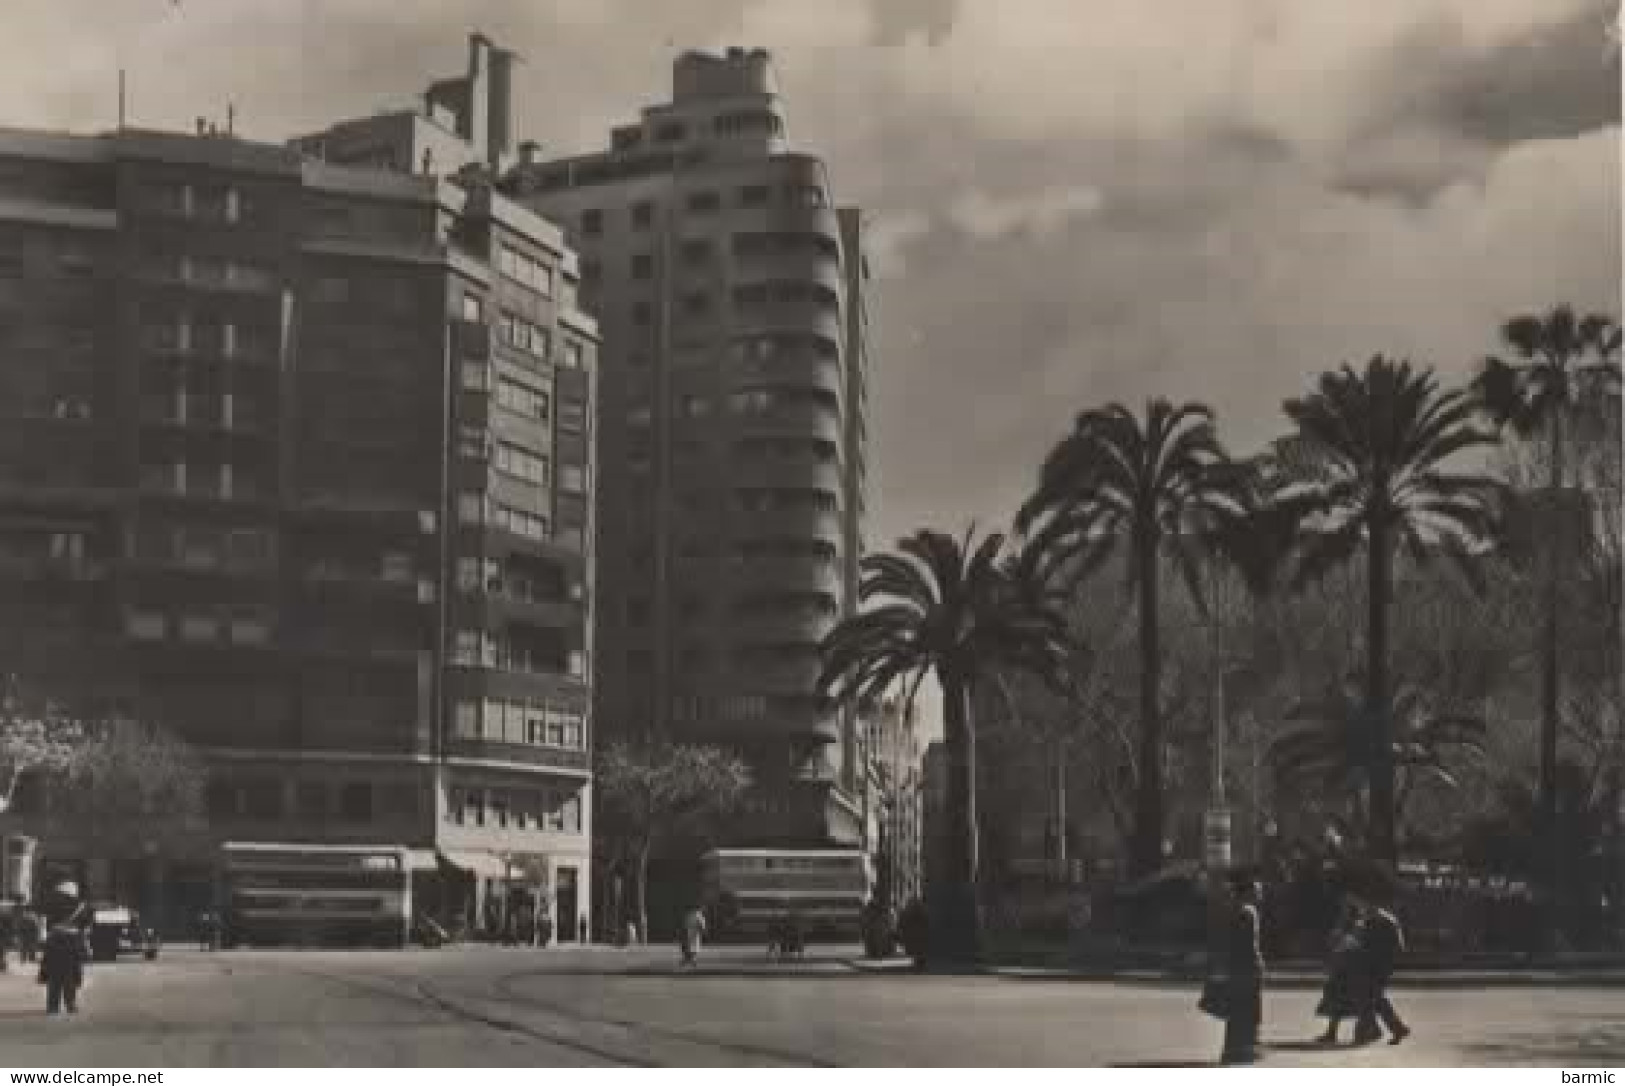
[731, 293]
[298, 463]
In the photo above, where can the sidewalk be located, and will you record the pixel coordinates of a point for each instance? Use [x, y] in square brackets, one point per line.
[1589, 972]
[20, 993]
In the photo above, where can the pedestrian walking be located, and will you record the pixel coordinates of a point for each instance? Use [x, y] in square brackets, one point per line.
[1344, 993]
[62, 968]
[689, 937]
[1383, 940]
[29, 934]
[1244, 973]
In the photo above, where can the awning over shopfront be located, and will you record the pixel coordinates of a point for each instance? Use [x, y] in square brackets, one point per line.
[422, 859]
[484, 865]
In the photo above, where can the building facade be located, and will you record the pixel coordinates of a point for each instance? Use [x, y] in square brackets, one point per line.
[730, 290]
[298, 465]
[893, 801]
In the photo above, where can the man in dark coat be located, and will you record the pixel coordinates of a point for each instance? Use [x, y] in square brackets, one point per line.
[1244, 968]
[62, 968]
[1382, 943]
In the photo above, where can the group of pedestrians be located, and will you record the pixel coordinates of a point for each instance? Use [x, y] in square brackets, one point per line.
[1367, 946]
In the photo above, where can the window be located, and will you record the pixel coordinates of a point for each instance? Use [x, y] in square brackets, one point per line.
[671, 132]
[643, 215]
[397, 566]
[522, 399]
[527, 271]
[472, 648]
[575, 355]
[754, 195]
[471, 507]
[521, 523]
[704, 203]
[146, 625]
[697, 252]
[693, 406]
[572, 478]
[807, 196]
[592, 222]
[466, 722]
[473, 443]
[643, 266]
[475, 376]
[569, 815]
[473, 307]
[640, 415]
[250, 630]
[572, 416]
[696, 305]
[522, 335]
[199, 627]
[522, 463]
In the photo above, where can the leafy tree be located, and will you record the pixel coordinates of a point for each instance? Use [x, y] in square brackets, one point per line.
[130, 785]
[1381, 439]
[947, 608]
[651, 790]
[1143, 491]
[1565, 365]
[35, 738]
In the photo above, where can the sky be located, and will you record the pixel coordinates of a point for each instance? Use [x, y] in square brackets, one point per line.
[1072, 201]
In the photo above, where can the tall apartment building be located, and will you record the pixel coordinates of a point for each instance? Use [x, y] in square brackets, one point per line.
[731, 293]
[297, 462]
[892, 800]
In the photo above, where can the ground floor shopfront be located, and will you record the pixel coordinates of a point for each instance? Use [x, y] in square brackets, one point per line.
[489, 849]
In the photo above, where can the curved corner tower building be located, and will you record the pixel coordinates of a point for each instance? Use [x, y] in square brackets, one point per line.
[729, 289]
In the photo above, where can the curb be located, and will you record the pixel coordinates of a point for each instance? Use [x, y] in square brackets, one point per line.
[1292, 981]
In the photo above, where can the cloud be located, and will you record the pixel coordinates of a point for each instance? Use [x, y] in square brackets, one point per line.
[889, 238]
[1069, 202]
[1036, 214]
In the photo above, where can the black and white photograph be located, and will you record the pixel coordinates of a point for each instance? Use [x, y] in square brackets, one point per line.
[810, 533]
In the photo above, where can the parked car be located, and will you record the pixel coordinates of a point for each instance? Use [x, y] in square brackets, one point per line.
[115, 930]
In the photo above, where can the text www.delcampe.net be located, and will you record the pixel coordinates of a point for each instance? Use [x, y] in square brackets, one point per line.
[90, 1078]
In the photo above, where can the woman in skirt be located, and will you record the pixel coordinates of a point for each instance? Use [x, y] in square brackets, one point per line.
[1345, 974]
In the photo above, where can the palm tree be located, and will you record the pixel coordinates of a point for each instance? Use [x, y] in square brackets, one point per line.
[1327, 747]
[1565, 366]
[1380, 439]
[948, 608]
[1143, 493]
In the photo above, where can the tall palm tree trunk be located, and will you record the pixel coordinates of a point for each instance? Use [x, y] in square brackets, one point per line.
[1383, 845]
[1148, 821]
[958, 918]
[1549, 680]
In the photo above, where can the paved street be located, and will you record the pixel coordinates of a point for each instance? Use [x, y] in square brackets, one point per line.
[605, 1007]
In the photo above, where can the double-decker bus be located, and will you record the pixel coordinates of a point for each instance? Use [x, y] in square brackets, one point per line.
[309, 895]
[746, 890]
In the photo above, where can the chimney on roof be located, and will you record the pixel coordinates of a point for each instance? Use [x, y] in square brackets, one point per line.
[530, 153]
[203, 126]
[231, 119]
